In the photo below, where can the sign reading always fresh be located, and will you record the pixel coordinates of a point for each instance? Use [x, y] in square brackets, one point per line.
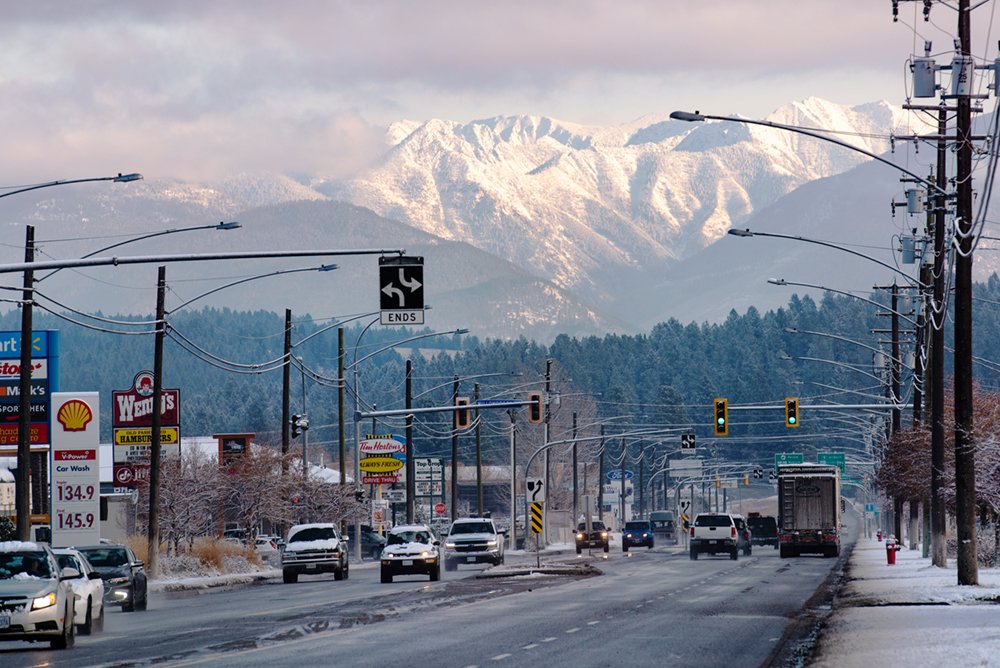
[76, 480]
[132, 420]
[381, 459]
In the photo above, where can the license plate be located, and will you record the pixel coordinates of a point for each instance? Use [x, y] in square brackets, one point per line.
[4, 621]
[407, 562]
[471, 560]
[712, 542]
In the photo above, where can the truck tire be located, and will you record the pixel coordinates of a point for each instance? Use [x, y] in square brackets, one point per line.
[607, 546]
[735, 554]
[694, 554]
[579, 550]
[783, 552]
[387, 577]
[624, 547]
[289, 577]
[449, 565]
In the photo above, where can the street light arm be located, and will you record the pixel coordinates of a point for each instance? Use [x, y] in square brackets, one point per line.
[746, 232]
[697, 117]
[121, 178]
[218, 226]
[783, 282]
[408, 340]
[322, 267]
[793, 330]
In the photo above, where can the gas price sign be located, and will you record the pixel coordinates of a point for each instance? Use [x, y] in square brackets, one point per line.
[76, 481]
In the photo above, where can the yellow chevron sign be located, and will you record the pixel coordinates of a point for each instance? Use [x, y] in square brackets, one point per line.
[536, 517]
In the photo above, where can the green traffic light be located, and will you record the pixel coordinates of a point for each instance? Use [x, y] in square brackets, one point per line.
[721, 421]
[791, 420]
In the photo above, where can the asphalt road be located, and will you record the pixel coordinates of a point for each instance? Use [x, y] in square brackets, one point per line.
[646, 608]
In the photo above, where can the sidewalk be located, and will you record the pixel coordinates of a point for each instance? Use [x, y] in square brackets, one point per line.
[910, 614]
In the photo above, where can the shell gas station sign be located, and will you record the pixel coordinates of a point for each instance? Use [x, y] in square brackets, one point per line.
[75, 465]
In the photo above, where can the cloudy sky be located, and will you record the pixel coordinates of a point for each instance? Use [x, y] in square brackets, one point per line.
[204, 89]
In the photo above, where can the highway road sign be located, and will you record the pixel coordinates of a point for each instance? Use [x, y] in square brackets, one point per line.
[787, 458]
[687, 441]
[834, 459]
[401, 290]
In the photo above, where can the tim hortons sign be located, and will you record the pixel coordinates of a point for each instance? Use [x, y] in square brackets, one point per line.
[134, 407]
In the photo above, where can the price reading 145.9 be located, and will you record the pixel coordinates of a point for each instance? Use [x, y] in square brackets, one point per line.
[75, 492]
[75, 520]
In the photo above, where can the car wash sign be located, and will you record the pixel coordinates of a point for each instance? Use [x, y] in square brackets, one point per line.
[381, 459]
[76, 469]
[132, 425]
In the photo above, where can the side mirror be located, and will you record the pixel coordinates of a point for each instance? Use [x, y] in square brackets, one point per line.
[94, 575]
[69, 573]
[137, 563]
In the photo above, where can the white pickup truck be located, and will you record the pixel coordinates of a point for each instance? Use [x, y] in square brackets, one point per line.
[713, 533]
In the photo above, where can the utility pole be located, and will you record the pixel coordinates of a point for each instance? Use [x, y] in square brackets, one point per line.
[153, 532]
[965, 461]
[286, 388]
[600, 480]
[936, 319]
[479, 454]
[341, 388]
[576, 491]
[454, 450]
[411, 476]
[545, 442]
[22, 481]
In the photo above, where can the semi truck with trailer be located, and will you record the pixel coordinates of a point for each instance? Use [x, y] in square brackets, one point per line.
[809, 509]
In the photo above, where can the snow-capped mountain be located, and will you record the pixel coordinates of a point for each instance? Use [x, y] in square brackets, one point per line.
[529, 226]
[592, 208]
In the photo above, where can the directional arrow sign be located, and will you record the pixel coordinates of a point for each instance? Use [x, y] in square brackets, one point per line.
[401, 290]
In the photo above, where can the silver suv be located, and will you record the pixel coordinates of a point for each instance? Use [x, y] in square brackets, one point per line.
[36, 600]
[473, 540]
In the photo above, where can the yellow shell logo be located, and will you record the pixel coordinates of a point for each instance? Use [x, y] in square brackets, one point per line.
[75, 415]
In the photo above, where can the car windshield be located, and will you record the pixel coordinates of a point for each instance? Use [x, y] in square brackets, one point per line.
[106, 557]
[637, 526]
[663, 524]
[313, 533]
[713, 521]
[471, 527]
[20, 565]
[594, 526]
[68, 561]
[403, 537]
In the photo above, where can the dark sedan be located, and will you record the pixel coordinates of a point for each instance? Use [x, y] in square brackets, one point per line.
[123, 575]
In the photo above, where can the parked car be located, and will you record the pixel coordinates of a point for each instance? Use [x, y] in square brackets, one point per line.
[411, 549]
[36, 599]
[764, 529]
[314, 548]
[598, 536]
[473, 540]
[89, 591]
[637, 532]
[371, 542]
[124, 578]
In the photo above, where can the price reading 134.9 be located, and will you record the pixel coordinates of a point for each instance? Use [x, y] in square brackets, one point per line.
[75, 492]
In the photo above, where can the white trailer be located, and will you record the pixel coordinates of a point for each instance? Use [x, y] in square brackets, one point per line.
[808, 509]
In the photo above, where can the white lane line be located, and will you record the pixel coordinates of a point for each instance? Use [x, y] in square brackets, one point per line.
[500, 657]
[531, 646]
[573, 630]
[549, 639]
[592, 623]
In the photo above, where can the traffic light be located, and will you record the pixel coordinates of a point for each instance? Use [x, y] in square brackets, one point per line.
[791, 412]
[295, 425]
[721, 417]
[296, 499]
[536, 413]
[462, 420]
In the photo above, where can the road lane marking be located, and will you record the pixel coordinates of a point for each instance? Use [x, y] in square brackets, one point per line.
[573, 630]
[549, 639]
[500, 657]
[531, 646]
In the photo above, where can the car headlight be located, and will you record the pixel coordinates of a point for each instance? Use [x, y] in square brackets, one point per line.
[491, 543]
[449, 543]
[44, 601]
[628, 535]
[117, 581]
[604, 534]
[580, 536]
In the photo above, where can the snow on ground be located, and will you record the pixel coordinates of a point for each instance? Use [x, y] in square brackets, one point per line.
[910, 614]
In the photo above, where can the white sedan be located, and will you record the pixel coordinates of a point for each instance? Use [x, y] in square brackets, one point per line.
[88, 589]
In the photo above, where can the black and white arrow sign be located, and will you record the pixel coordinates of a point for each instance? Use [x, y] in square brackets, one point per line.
[401, 287]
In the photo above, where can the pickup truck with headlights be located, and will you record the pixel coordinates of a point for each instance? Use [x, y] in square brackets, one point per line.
[314, 548]
[473, 540]
[713, 533]
[598, 536]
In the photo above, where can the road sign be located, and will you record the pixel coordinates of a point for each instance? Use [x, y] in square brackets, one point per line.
[833, 459]
[401, 290]
[534, 489]
[394, 495]
[758, 473]
[616, 474]
[787, 458]
[536, 517]
[440, 508]
[687, 442]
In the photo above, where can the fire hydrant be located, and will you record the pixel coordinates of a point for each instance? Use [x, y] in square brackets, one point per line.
[891, 548]
[879, 534]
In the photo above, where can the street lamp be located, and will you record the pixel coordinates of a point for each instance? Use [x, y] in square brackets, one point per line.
[22, 481]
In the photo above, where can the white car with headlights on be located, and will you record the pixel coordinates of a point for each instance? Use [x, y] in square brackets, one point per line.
[473, 540]
[36, 600]
[411, 549]
[88, 588]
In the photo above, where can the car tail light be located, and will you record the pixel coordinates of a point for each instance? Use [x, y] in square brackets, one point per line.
[692, 531]
[734, 532]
